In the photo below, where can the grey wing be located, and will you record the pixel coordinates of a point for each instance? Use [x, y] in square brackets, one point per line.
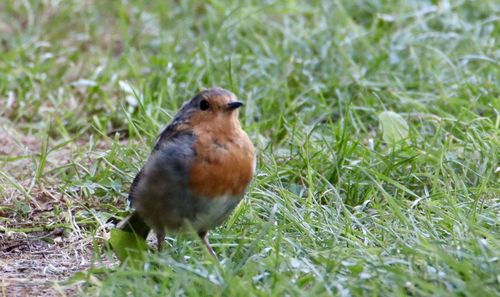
[162, 184]
[131, 193]
[167, 135]
[171, 157]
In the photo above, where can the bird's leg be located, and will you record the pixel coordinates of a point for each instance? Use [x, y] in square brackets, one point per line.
[203, 235]
[160, 238]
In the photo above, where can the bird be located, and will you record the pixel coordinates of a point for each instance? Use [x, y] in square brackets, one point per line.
[197, 173]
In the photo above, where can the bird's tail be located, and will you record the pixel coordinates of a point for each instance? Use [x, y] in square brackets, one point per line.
[134, 223]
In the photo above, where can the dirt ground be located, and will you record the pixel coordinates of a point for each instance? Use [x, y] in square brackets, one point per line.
[38, 254]
[30, 266]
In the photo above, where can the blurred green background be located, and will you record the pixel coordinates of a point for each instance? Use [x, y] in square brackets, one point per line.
[376, 124]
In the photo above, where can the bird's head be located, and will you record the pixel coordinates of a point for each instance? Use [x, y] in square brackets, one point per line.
[213, 106]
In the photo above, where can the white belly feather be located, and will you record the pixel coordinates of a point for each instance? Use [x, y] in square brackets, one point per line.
[214, 212]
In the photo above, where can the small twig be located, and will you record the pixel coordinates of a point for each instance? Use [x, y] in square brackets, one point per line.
[13, 246]
[32, 229]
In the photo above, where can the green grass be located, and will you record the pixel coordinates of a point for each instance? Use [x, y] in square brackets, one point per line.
[333, 209]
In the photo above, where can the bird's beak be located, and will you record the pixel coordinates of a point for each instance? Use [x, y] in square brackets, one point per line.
[234, 105]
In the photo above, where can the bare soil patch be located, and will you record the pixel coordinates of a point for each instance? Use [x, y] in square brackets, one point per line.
[41, 248]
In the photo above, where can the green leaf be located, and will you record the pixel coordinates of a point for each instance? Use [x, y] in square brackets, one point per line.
[394, 127]
[127, 245]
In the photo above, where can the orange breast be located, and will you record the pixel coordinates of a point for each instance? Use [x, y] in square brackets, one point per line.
[224, 164]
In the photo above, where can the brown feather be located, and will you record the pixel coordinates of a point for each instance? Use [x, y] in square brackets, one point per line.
[225, 159]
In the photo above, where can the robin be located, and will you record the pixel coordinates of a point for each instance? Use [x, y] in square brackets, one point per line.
[197, 173]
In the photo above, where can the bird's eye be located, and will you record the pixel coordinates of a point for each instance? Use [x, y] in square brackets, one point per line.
[204, 104]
